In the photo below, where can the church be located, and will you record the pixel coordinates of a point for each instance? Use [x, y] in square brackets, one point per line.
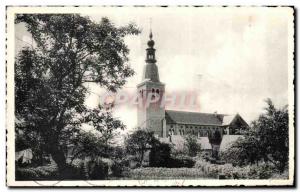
[172, 126]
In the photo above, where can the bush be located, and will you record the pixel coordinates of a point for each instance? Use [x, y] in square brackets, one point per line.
[263, 171]
[88, 169]
[130, 161]
[228, 171]
[164, 173]
[190, 143]
[183, 161]
[284, 175]
[97, 169]
[78, 170]
[37, 173]
[160, 155]
[117, 168]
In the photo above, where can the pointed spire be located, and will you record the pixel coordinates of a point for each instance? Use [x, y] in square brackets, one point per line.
[151, 42]
[151, 29]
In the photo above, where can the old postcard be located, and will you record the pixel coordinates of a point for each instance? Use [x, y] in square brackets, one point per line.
[150, 96]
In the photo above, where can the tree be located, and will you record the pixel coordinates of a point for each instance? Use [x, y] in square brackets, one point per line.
[243, 152]
[191, 145]
[50, 77]
[215, 139]
[139, 142]
[272, 131]
[267, 140]
[99, 143]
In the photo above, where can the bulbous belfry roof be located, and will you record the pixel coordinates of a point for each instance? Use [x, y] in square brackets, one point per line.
[151, 69]
[151, 43]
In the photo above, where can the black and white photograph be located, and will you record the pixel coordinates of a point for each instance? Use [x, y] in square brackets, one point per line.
[145, 96]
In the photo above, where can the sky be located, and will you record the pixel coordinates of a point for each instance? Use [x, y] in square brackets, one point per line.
[233, 58]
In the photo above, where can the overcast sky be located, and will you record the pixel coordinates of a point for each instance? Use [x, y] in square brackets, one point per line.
[234, 58]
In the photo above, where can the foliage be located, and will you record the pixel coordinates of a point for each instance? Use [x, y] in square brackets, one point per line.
[214, 137]
[243, 152]
[266, 141]
[139, 142]
[164, 173]
[262, 171]
[160, 155]
[228, 171]
[272, 131]
[192, 146]
[50, 76]
[37, 173]
[117, 168]
[87, 144]
[97, 170]
[117, 153]
[88, 168]
[181, 161]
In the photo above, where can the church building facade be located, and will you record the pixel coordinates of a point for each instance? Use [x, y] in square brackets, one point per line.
[168, 123]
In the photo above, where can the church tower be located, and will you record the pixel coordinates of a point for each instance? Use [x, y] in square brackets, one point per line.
[151, 109]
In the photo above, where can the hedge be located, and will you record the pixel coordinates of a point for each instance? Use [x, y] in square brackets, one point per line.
[228, 171]
[165, 173]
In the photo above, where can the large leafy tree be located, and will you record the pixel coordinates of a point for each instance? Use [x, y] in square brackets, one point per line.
[267, 140]
[139, 142]
[50, 77]
[272, 131]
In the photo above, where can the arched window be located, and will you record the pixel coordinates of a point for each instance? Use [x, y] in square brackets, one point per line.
[157, 91]
[153, 94]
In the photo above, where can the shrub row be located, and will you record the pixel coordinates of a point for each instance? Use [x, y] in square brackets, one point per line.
[36, 173]
[227, 171]
[99, 168]
[78, 170]
[164, 173]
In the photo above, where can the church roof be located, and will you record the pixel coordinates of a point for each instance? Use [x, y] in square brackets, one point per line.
[184, 117]
[227, 119]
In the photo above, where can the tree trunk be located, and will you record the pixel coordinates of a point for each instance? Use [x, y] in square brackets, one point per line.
[142, 158]
[58, 156]
[60, 159]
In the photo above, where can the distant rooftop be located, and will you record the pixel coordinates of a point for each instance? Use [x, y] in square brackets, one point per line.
[185, 117]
